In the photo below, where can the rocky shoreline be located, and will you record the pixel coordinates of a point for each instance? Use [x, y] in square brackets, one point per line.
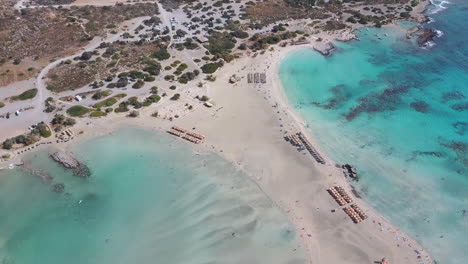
[69, 162]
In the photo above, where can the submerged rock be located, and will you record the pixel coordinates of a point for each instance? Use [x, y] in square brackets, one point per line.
[58, 187]
[420, 106]
[69, 162]
[46, 178]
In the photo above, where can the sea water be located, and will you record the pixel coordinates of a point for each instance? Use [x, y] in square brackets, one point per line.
[399, 113]
[149, 199]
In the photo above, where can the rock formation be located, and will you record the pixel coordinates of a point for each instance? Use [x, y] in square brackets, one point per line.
[69, 162]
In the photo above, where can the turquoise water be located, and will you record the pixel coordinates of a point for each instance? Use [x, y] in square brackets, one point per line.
[399, 113]
[150, 199]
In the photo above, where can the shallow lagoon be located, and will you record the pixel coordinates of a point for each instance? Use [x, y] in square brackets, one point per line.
[150, 199]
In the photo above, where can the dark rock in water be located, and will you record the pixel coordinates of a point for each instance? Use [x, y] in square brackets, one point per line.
[426, 36]
[69, 162]
[420, 106]
[340, 96]
[58, 188]
[461, 127]
[450, 96]
[387, 100]
[460, 107]
[461, 150]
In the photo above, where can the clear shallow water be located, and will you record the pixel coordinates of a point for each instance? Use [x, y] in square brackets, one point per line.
[150, 199]
[400, 114]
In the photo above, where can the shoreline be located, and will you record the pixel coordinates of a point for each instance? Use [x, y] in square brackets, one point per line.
[306, 220]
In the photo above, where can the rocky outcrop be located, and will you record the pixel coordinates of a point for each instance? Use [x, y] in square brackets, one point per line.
[69, 162]
[425, 36]
[325, 48]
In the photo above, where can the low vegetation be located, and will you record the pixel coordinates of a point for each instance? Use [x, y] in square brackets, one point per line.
[39, 34]
[109, 101]
[211, 67]
[26, 95]
[78, 110]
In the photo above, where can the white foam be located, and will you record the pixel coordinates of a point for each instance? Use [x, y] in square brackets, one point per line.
[439, 33]
[438, 5]
[429, 44]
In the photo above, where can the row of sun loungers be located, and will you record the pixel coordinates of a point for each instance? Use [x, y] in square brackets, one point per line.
[197, 136]
[336, 196]
[185, 134]
[342, 198]
[310, 148]
[256, 77]
[352, 214]
[343, 194]
[179, 129]
[175, 133]
[359, 211]
[294, 140]
[355, 213]
[340, 195]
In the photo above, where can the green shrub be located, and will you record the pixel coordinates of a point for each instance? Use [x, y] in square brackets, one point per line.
[109, 101]
[161, 54]
[77, 110]
[405, 15]
[100, 94]
[151, 99]
[122, 108]
[138, 84]
[210, 68]
[149, 79]
[2, 105]
[29, 94]
[43, 130]
[8, 143]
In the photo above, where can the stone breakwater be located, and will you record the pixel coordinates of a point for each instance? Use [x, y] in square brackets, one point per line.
[69, 162]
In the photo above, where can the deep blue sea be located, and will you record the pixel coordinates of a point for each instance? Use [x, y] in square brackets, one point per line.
[399, 113]
[150, 199]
